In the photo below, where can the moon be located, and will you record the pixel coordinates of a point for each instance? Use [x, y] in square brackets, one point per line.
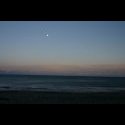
[44, 34]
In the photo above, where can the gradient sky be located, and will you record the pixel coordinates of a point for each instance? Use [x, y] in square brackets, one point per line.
[72, 47]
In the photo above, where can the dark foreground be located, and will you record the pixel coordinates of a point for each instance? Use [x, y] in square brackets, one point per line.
[35, 97]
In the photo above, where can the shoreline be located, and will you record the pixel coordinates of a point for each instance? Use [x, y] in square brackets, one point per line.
[39, 97]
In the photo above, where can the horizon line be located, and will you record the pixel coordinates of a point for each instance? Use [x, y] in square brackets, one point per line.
[57, 75]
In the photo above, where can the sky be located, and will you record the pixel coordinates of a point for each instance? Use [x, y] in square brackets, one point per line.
[71, 47]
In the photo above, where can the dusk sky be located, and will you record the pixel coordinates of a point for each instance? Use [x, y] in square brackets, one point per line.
[71, 47]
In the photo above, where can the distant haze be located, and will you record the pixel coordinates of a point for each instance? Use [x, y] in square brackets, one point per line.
[63, 47]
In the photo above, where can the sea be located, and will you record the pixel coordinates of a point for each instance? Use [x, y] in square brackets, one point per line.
[61, 83]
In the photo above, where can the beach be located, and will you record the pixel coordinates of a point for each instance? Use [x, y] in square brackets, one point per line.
[38, 97]
[30, 89]
[62, 62]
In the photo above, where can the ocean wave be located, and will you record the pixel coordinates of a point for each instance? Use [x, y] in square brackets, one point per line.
[61, 89]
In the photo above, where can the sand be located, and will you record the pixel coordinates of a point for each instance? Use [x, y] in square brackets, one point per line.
[36, 97]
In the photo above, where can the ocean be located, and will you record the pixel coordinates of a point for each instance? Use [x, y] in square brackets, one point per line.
[61, 83]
